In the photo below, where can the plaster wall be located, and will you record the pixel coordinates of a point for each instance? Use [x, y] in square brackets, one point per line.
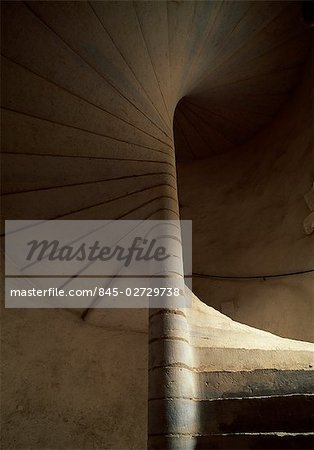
[70, 384]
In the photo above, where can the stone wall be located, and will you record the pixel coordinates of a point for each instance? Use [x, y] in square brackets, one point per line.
[248, 210]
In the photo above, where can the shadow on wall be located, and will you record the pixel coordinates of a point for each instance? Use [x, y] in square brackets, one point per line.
[248, 210]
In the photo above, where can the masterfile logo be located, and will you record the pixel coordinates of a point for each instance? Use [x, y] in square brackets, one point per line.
[140, 249]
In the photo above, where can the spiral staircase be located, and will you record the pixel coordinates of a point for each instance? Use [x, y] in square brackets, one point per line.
[102, 104]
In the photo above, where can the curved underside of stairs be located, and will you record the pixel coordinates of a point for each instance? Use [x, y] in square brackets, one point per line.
[90, 91]
[101, 100]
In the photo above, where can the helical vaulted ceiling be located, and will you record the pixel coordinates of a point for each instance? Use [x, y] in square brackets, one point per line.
[90, 95]
[243, 60]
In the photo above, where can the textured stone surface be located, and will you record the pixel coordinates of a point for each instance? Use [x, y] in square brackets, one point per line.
[248, 211]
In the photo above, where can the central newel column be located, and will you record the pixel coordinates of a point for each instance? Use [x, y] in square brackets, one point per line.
[172, 409]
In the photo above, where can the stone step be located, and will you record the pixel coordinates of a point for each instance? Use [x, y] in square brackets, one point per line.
[235, 441]
[284, 413]
[257, 414]
[262, 441]
[254, 383]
